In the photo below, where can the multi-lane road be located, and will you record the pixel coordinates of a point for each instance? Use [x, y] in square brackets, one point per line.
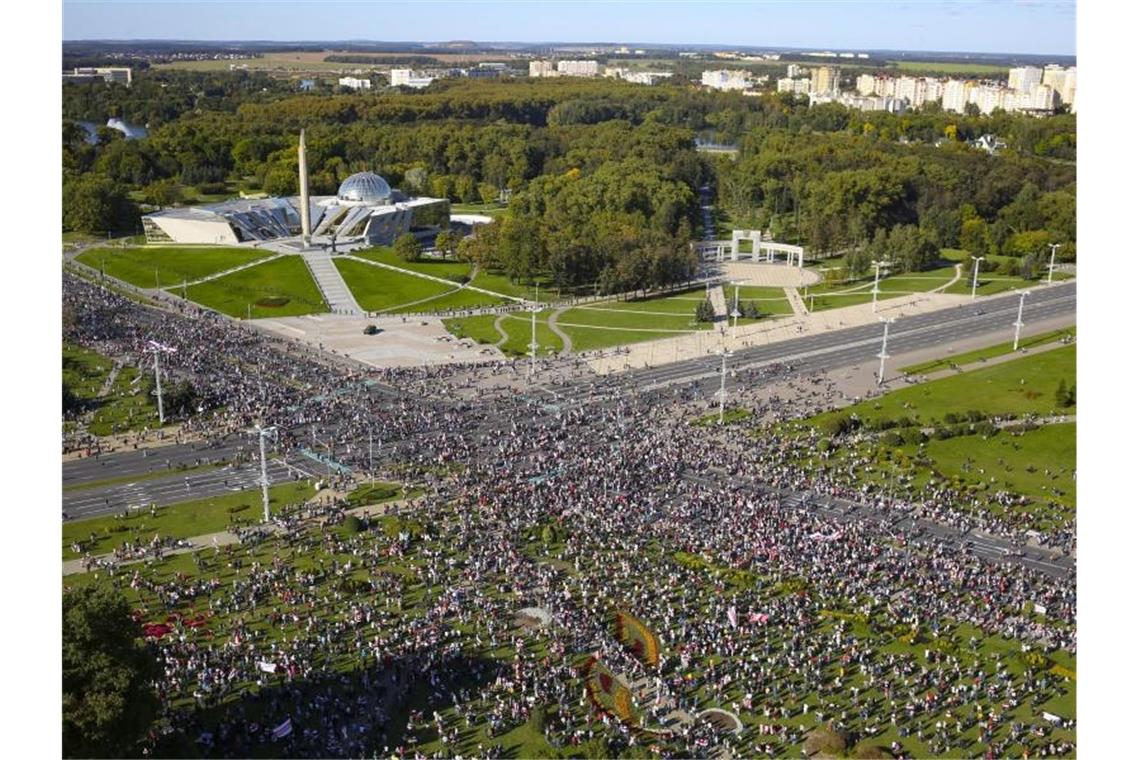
[112, 482]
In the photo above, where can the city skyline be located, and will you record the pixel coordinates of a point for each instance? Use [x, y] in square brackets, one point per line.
[1031, 27]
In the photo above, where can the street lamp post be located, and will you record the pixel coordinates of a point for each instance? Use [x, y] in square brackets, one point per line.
[974, 288]
[723, 374]
[157, 348]
[262, 433]
[1052, 257]
[1019, 324]
[875, 287]
[883, 356]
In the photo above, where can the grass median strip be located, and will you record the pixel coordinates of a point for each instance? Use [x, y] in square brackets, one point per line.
[968, 357]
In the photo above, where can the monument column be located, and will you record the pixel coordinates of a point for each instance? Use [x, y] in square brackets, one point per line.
[303, 170]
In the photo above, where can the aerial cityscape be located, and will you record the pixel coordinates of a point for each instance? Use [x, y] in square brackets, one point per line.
[568, 399]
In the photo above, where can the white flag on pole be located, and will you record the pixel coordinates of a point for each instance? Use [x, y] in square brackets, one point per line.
[284, 729]
[732, 615]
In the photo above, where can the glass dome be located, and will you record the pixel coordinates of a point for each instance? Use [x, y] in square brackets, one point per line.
[364, 187]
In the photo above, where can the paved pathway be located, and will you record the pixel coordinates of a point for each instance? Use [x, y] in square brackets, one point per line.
[957, 276]
[552, 323]
[503, 336]
[719, 304]
[793, 296]
[332, 285]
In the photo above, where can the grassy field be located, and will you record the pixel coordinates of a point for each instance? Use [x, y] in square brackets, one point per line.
[172, 266]
[980, 69]
[124, 408]
[517, 325]
[827, 295]
[1022, 386]
[447, 269]
[1005, 347]
[279, 288]
[487, 209]
[501, 283]
[181, 520]
[379, 289]
[453, 300]
[767, 300]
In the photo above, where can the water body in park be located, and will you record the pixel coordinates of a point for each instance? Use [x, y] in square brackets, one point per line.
[130, 131]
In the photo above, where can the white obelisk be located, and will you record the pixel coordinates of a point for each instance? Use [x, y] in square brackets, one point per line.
[303, 169]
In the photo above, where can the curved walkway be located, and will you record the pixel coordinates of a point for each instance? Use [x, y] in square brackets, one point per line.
[499, 329]
[957, 276]
[552, 323]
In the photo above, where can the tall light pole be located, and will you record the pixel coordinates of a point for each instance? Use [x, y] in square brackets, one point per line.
[371, 472]
[723, 374]
[262, 434]
[156, 348]
[735, 309]
[883, 356]
[1019, 324]
[1052, 257]
[974, 288]
[875, 288]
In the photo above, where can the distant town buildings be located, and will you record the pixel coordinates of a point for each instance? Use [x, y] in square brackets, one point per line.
[637, 77]
[726, 79]
[584, 68]
[794, 86]
[825, 80]
[796, 70]
[409, 78]
[120, 74]
[578, 68]
[355, 84]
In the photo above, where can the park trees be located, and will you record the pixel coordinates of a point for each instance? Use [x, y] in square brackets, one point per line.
[407, 247]
[108, 702]
[94, 203]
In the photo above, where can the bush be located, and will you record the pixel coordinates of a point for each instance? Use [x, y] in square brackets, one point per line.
[354, 524]
[834, 426]
[893, 439]
[951, 418]
[913, 436]
[975, 416]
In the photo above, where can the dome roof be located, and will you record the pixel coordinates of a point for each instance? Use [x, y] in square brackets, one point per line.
[364, 187]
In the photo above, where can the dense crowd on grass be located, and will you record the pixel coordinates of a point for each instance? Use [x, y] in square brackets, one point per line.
[399, 636]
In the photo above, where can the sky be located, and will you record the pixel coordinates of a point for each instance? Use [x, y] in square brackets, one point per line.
[983, 26]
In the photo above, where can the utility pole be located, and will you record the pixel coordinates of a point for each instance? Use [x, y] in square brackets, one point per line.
[248, 311]
[262, 433]
[1052, 257]
[735, 309]
[883, 356]
[371, 472]
[875, 288]
[1019, 324]
[974, 288]
[184, 289]
[154, 347]
[723, 374]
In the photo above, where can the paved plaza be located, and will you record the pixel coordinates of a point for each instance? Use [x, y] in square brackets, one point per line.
[401, 342]
[778, 275]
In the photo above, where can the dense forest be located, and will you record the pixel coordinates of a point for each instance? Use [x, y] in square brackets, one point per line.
[603, 175]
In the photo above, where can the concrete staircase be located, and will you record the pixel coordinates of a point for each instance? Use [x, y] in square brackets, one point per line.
[332, 285]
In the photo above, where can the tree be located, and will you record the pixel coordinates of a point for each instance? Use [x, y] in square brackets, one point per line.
[446, 242]
[415, 179]
[1062, 394]
[108, 702]
[164, 192]
[94, 203]
[407, 247]
[705, 312]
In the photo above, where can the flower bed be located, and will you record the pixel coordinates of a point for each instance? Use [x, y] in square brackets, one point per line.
[637, 637]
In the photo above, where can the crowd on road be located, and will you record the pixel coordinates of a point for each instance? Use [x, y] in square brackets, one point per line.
[323, 641]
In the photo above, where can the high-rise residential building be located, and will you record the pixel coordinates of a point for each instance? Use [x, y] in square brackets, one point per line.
[865, 84]
[1068, 88]
[542, 69]
[578, 68]
[1024, 78]
[794, 86]
[726, 79]
[825, 79]
[795, 70]
[885, 87]
[956, 94]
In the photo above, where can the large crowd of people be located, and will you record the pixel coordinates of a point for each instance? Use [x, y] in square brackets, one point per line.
[402, 636]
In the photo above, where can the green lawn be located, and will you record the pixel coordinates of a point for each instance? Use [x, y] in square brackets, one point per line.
[829, 295]
[173, 265]
[1005, 347]
[767, 300]
[123, 409]
[501, 283]
[181, 520]
[1022, 386]
[448, 269]
[516, 324]
[455, 299]
[279, 288]
[951, 68]
[486, 209]
[379, 289]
